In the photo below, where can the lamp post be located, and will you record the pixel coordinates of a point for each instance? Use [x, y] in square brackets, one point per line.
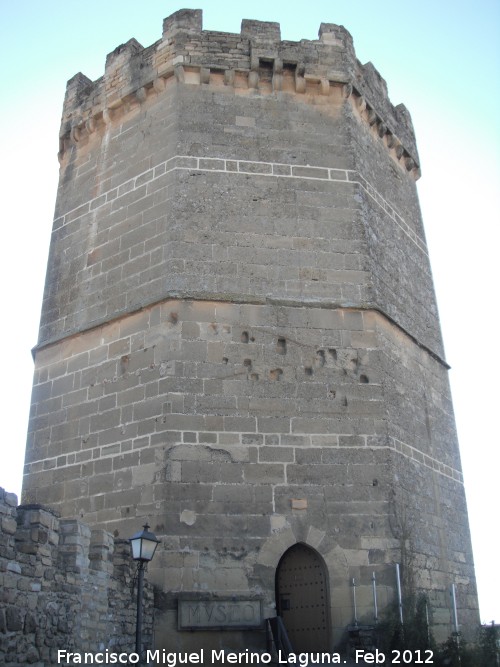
[143, 545]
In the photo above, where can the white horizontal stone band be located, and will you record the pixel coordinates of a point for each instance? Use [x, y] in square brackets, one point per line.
[112, 451]
[221, 165]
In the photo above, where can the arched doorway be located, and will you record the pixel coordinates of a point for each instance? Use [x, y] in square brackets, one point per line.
[303, 599]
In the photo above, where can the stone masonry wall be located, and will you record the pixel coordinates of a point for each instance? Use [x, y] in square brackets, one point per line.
[239, 337]
[211, 418]
[269, 132]
[62, 586]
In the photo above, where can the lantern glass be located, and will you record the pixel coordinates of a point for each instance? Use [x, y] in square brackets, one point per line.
[143, 544]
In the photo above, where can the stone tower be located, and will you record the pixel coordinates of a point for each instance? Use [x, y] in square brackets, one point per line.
[239, 338]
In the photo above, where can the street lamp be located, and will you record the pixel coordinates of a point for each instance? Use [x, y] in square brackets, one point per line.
[143, 545]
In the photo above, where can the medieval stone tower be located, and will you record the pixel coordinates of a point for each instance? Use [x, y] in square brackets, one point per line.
[240, 342]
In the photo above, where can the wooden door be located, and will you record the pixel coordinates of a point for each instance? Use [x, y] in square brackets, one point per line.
[302, 599]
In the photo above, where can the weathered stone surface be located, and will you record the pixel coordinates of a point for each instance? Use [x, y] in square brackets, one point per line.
[228, 613]
[242, 342]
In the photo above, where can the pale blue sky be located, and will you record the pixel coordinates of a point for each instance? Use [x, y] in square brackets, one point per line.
[440, 58]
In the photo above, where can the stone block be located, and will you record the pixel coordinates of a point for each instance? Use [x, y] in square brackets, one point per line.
[273, 425]
[264, 473]
[14, 619]
[276, 454]
[8, 525]
[239, 424]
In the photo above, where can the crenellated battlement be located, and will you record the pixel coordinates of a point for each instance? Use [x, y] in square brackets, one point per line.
[256, 61]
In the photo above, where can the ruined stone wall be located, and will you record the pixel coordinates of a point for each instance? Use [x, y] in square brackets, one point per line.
[63, 587]
[239, 337]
